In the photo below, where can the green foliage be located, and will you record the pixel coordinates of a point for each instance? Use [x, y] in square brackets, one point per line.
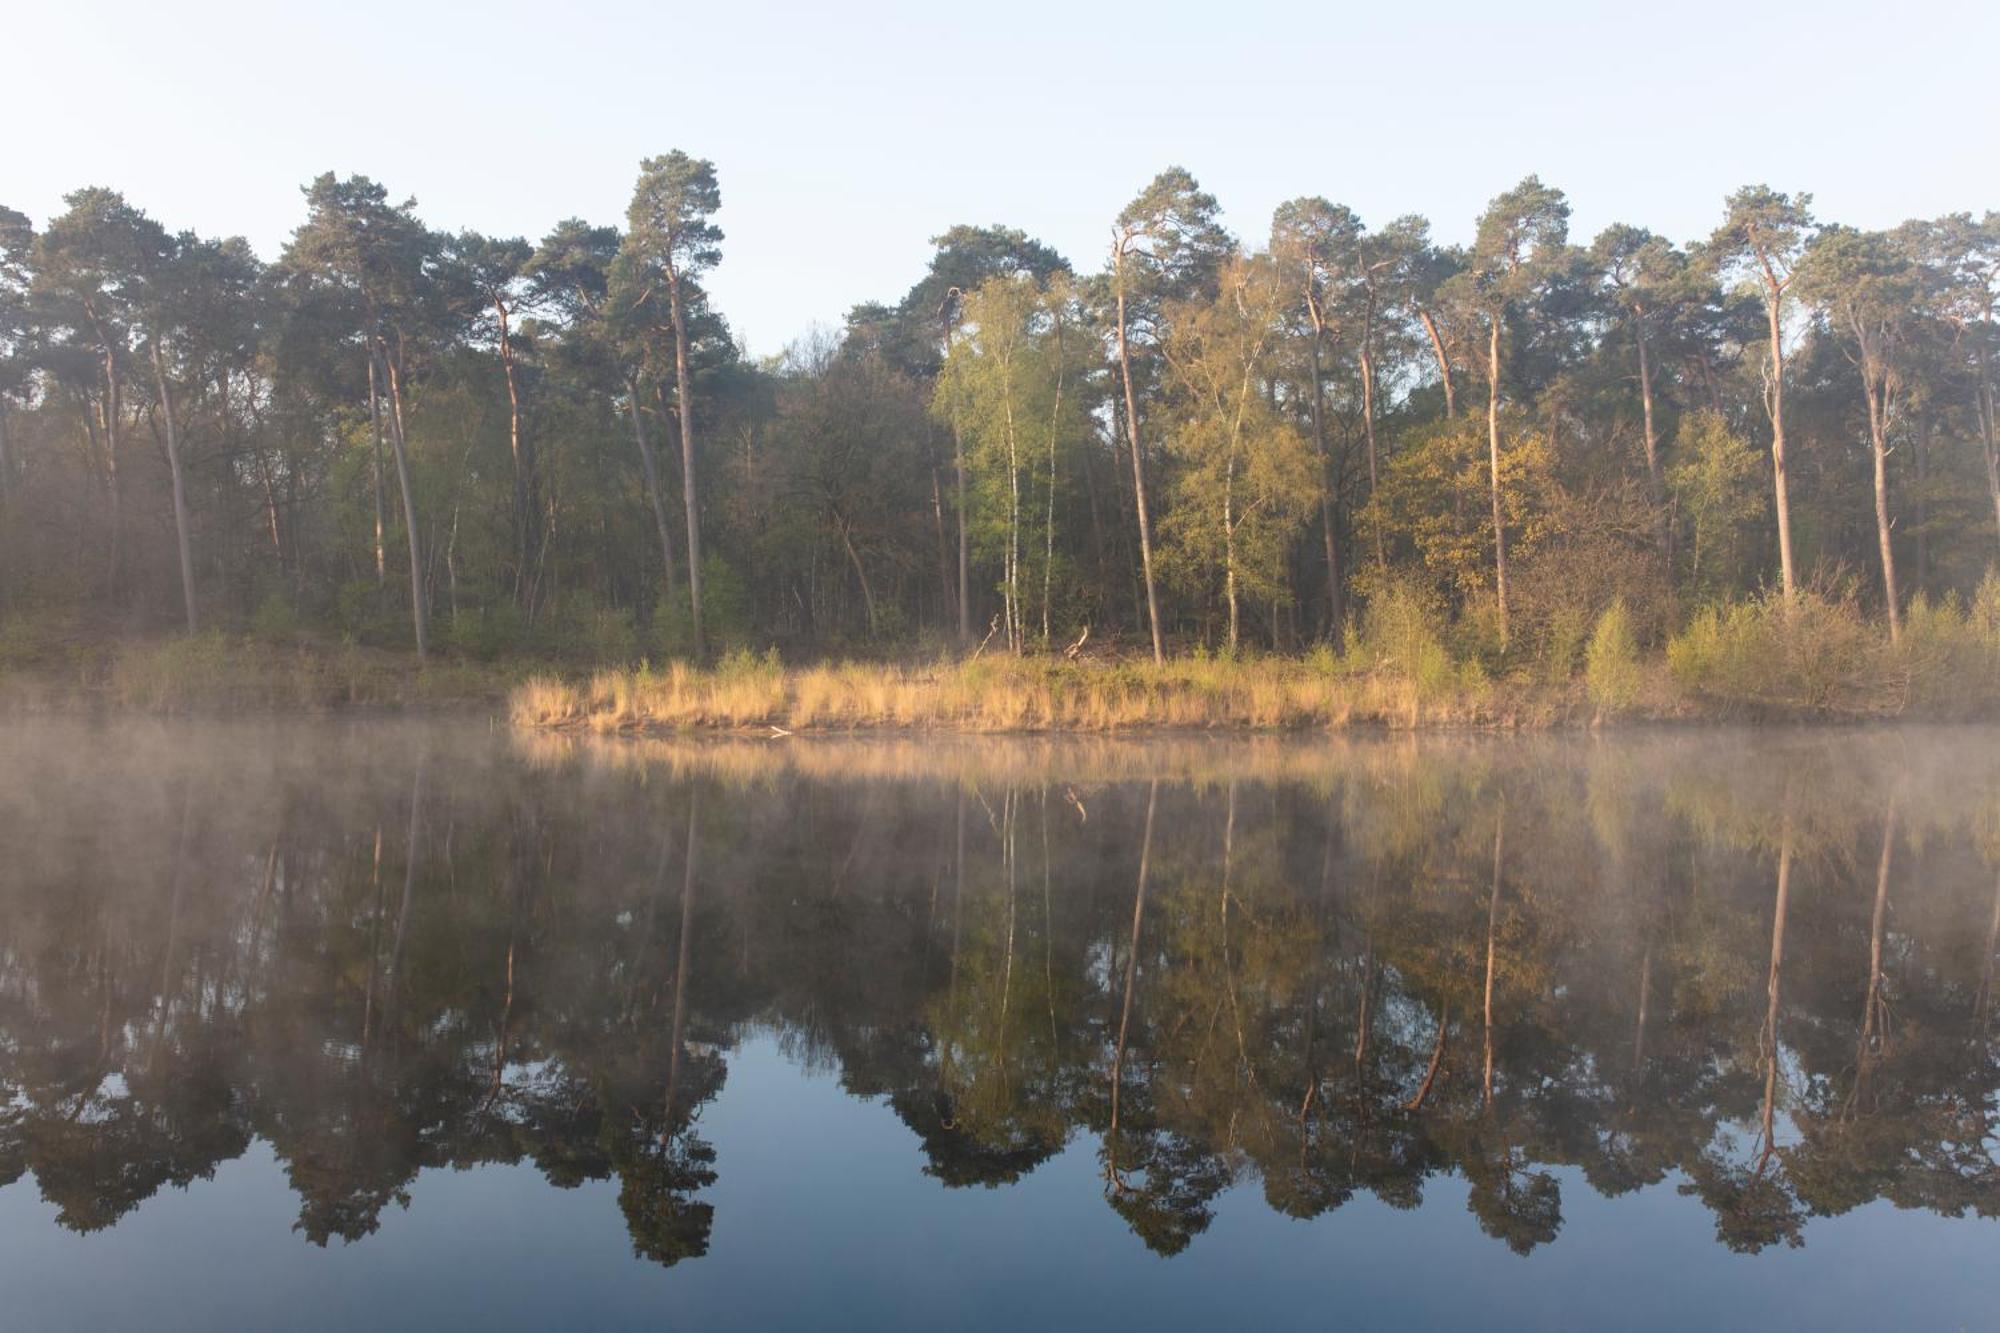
[1718, 483]
[1814, 654]
[1611, 669]
[275, 619]
[1402, 632]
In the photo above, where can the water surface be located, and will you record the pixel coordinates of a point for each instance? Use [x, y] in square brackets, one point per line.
[325, 1025]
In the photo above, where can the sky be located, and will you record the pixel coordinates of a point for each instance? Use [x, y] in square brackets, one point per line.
[847, 135]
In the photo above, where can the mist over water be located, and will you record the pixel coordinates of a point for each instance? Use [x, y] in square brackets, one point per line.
[324, 1023]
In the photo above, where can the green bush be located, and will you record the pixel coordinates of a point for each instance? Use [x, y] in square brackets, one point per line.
[1816, 654]
[275, 619]
[1611, 670]
[1403, 633]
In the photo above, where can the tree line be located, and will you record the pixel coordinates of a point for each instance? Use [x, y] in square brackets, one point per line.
[557, 446]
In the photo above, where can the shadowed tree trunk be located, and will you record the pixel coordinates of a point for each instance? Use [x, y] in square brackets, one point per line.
[650, 463]
[179, 485]
[1493, 462]
[399, 443]
[1138, 464]
[684, 410]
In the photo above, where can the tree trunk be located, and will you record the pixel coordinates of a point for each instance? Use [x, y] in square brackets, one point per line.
[1443, 362]
[1656, 490]
[1774, 400]
[944, 546]
[1989, 436]
[1138, 466]
[964, 547]
[375, 421]
[1229, 546]
[684, 400]
[113, 409]
[1493, 460]
[1335, 613]
[179, 485]
[1049, 527]
[525, 511]
[1368, 426]
[1878, 427]
[651, 466]
[854, 558]
[399, 442]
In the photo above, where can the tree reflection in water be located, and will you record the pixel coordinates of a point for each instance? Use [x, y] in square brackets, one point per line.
[1761, 970]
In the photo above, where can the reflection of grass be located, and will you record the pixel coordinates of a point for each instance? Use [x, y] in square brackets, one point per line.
[1008, 694]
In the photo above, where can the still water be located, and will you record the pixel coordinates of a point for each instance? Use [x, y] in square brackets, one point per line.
[385, 1025]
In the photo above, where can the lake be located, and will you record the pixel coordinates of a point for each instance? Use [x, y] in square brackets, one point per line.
[390, 1024]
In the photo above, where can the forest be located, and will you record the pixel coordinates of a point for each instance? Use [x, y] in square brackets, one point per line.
[1749, 455]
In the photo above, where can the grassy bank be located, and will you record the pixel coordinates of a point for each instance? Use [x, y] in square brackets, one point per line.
[1816, 658]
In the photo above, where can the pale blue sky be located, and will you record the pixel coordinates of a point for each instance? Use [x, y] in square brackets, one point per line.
[846, 136]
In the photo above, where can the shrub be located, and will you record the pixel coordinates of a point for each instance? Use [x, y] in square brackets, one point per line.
[1816, 654]
[1611, 669]
[1403, 633]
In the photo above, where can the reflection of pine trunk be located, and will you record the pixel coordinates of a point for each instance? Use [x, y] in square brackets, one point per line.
[681, 965]
[178, 877]
[1984, 999]
[1131, 975]
[1416, 1103]
[1365, 1027]
[1007, 970]
[1769, 1037]
[1645, 997]
[409, 893]
[374, 942]
[1492, 942]
[1875, 1009]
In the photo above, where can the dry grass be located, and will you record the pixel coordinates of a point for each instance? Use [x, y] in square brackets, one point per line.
[1011, 695]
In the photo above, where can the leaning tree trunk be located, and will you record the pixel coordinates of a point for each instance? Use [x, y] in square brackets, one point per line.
[1987, 436]
[1138, 468]
[180, 488]
[651, 467]
[399, 442]
[684, 402]
[1493, 462]
[1368, 426]
[1443, 361]
[1878, 444]
[1656, 491]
